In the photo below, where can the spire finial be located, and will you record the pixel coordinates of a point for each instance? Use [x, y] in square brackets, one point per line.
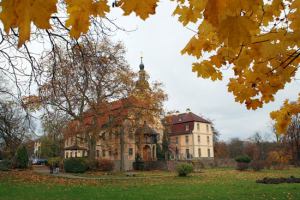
[142, 57]
[142, 64]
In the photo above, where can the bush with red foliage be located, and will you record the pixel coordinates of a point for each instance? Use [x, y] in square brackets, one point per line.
[105, 165]
[242, 166]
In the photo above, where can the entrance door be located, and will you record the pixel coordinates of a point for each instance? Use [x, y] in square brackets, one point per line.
[146, 153]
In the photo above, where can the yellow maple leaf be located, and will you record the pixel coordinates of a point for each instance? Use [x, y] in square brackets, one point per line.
[79, 14]
[100, 8]
[206, 40]
[20, 14]
[194, 47]
[253, 104]
[214, 11]
[191, 13]
[206, 69]
[236, 31]
[142, 8]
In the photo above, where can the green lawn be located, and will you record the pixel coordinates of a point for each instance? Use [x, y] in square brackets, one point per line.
[211, 184]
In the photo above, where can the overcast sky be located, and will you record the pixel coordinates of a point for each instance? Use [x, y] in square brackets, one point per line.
[161, 39]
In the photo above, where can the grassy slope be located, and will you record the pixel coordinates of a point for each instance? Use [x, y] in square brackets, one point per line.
[212, 184]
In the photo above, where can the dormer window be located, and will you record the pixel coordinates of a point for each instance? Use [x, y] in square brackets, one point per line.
[187, 127]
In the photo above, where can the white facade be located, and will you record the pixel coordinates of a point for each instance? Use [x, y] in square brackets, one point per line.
[197, 144]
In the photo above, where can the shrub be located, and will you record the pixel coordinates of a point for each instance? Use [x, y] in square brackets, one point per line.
[5, 165]
[184, 169]
[242, 162]
[139, 165]
[75, 165]
[242, 166]
[257, 165]
[22, 158]
[105, 165]
[243, 159]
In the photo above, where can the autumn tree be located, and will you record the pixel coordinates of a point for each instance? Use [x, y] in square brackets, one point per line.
[54, 123]
[83, 80]
[164, 149]
[290, 141]
[235, 147]
[14, 127]
[221, 150]
[257, 40]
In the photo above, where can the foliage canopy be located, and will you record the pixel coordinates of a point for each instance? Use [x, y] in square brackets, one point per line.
[257, 39]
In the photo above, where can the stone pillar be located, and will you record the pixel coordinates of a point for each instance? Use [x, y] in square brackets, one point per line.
[154, 150]
[151, 152]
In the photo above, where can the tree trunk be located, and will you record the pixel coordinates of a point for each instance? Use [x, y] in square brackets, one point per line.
[92, 147]
[122, 145]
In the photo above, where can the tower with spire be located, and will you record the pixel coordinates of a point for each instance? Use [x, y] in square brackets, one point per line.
[142, 83]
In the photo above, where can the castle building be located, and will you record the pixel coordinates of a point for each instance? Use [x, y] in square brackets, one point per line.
[120, 144]
[190, 136]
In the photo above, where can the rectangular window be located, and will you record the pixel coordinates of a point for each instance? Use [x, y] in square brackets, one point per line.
[187, 139]
[207, 128]
[208, 152]
[109, 152]
[207, 139]
[176, 140]
[187, 153]
[130, 151]
[198, 126]
[187, 127]
[97, 153]
[67, 155]
[199, 140]
[103, 153]
[199, 152]
[75, 154]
